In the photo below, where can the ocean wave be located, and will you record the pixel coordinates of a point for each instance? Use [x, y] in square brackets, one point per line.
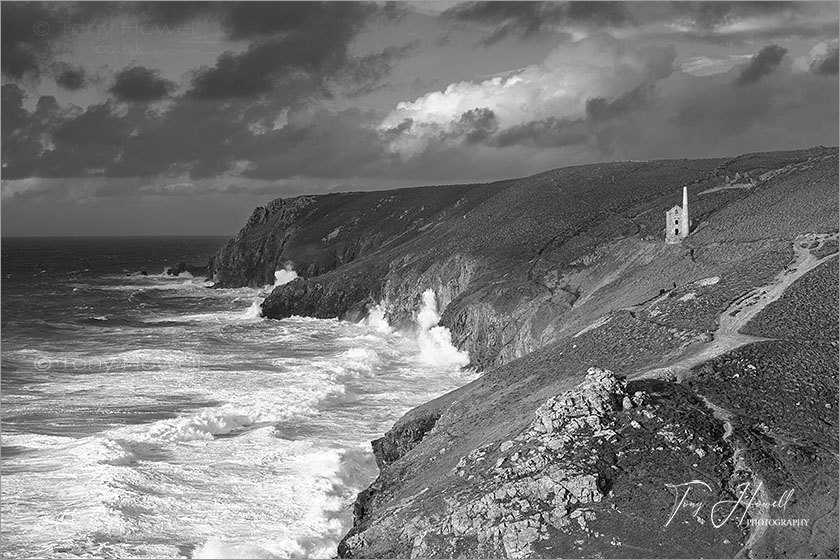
[204, 426]
[360, 358]
[217, 548]
[254, 311]
[435, 341]
[102, 450]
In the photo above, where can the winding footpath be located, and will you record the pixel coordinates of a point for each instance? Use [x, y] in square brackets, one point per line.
[727, 338]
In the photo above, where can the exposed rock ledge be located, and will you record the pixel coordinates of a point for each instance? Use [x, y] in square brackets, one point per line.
[541, 492]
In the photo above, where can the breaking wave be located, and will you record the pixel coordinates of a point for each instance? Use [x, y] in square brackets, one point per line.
[435, 342]
[376, 319]
[182, 427]
[254, 311]
[284, 276]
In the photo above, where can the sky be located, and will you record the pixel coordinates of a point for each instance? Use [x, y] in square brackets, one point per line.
[178, 118]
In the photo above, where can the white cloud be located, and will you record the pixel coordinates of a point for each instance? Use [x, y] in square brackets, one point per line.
[817, 53]
[598, 66]
[709, 65]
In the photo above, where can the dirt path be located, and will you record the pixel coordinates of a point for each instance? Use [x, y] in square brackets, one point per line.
[727, 338]
[736, 186]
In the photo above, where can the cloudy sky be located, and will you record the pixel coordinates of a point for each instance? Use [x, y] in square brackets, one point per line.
[180, 117]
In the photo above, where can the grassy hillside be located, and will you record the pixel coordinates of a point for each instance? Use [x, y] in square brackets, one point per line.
[518, 263]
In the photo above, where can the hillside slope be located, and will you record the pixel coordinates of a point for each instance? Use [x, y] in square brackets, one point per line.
[617, 368]
[514, 264]
[539, 459]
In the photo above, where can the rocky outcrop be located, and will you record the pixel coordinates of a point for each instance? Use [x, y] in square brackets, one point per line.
[403, 437]
[250, 258]
[558, 487]
[344, 295]
[183, 267]
[546, 476]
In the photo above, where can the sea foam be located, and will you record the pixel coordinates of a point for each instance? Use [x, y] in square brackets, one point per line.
[435, 342]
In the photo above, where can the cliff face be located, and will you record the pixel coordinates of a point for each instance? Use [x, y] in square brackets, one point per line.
[513, 264]
[541, 279]
[552, 489]
[538, 458]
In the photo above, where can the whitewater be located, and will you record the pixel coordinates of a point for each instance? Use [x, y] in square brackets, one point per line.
[152, 416]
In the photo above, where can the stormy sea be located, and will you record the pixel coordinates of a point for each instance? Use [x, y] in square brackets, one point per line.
[149, 415]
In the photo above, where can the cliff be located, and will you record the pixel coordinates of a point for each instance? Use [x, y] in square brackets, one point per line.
[514, 264]
[616, 367]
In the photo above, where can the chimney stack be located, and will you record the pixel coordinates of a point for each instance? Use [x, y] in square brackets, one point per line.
[686, 226]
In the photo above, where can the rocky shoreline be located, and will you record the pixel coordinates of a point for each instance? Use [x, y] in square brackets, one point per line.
[599, 345]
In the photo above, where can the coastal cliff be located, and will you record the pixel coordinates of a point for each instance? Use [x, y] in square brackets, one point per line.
[616, 367]
[514, 264]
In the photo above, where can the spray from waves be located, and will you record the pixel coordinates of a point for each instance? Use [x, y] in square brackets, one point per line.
[254, 311]
[217, 548]
[229, 418]
[435, 342]
[332, 479]
[376, 319]
[284, 276]
[361, 359]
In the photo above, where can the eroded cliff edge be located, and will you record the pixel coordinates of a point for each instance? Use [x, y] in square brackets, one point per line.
[514, 264]
[544, 278]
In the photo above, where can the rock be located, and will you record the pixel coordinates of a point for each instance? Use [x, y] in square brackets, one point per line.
[177, 269]
[539, 476]
[182, 267]
[403, 437]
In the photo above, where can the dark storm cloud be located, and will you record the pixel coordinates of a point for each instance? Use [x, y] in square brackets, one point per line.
[404, 126]
[85, 144]
[69, 77]
[599, 109]
[26, 37]
[477, 125]
[248, 20]
[297, 52]
[291, 38]
[827, 65]
[711, 15]
[602, 121]
[141, 84]
[264, 65]
[55, 142]
[365, 74]
[705, 21]
[550, 132]
[761, 64]
[21, 145]
[328, 145]
[193, 136]
[33, 33]
[175, 12]
[527, 19]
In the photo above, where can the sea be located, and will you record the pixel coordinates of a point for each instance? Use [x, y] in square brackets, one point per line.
[152, 416]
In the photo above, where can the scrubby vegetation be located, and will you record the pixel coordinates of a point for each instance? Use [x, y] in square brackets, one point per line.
[806, 311]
